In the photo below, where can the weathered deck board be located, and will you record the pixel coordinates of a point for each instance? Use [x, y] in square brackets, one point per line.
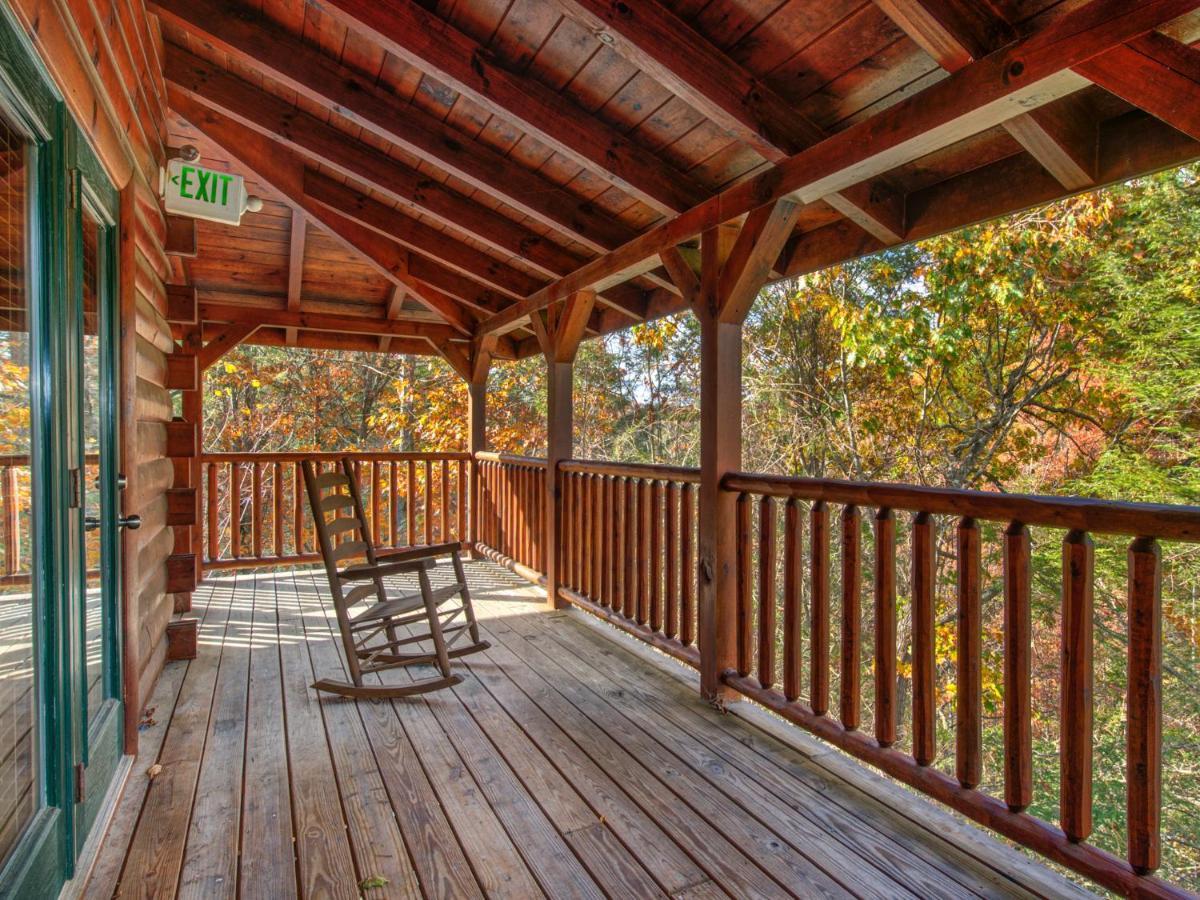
[563, 765]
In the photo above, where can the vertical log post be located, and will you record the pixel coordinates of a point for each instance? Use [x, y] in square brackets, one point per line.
[735, 260]
[559, 331]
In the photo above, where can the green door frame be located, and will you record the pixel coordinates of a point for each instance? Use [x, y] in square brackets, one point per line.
[44, 857]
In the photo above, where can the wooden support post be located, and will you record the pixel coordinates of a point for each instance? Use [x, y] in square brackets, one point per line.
[559, 440]
[559, 331]
[191, 541]
[734, 262]
[480, 364]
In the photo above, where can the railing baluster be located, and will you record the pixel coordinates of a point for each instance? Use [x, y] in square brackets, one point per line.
[298, 508]
[460, 501]
[885, 627]
[745, 590]
[631, 550]
[1075, 795]
[1018, 635]
[445, 501]
[410, 497]
[427, 509]
[619, 587]
[851, 672]
[1143, 777]
[819, 585]
[277, 507]
[793, 629]
[643, 577]
[376, 504]
[924, 737]
[214, 529]
[969, 689]
[235, 511]
[598, 519]
[766, 591]
[12, 525]
[687, 568]
[671, 625]
[656, 556]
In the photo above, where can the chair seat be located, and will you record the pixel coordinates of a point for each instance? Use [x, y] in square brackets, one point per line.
[405, 603]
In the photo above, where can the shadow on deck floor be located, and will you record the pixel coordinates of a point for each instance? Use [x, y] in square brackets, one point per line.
[566, 764]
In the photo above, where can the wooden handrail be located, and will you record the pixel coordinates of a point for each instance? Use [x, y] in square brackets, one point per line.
[1177, 523]
[315, 456]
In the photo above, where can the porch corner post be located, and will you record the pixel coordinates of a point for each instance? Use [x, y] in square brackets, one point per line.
[720, 453]
[559, 331]
[476, 376]
[560, 378]
[476, 443]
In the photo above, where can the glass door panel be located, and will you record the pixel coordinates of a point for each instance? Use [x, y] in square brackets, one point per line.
[94, 532]
[19, 796]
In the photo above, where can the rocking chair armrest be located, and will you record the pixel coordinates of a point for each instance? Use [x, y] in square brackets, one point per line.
[367, 572]
[425, 551]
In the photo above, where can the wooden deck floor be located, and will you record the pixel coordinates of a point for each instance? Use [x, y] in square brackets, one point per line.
[565, 765]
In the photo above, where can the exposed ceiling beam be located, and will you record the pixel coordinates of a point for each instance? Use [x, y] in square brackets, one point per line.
[418, 236]
[284, 172]
[433, 45]
[1155, 73]
[307, 321]
[259, 42]
[296, 246]
[1023, 76]
[327, 340]
[664, 45]
[267, 114]
[958, 32]
[297, 132]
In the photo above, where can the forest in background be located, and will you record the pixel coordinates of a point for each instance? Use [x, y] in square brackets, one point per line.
[1056, 351]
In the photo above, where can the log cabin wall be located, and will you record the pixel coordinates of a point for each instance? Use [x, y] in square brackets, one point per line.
[105, 58]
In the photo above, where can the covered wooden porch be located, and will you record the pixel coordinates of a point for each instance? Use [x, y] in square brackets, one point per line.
[565, 765]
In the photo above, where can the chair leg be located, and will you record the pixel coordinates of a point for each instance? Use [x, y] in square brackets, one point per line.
[435, 624]
[468, 607]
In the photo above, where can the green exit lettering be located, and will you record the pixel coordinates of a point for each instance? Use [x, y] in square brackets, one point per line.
[210, 187]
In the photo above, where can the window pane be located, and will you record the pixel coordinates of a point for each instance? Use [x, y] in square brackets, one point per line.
[93, 624]
[18, 699]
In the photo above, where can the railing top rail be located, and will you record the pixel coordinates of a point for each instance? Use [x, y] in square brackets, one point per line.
[631, 470]
[22, 459]
[360, 455]
[510, 459]
[1180, 523]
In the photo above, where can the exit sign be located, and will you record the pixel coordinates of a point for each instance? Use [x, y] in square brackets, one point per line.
[192, 190]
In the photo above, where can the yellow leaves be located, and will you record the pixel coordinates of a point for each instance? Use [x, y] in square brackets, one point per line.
[230, 368]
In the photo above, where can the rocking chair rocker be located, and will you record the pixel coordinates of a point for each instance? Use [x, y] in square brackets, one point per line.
[371, 636]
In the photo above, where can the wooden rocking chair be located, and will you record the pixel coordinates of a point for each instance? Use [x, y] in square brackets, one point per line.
[371, 636]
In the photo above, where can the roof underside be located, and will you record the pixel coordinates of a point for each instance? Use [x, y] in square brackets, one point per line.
[429, 165]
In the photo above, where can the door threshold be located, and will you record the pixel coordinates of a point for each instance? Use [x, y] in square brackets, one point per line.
[91, 847]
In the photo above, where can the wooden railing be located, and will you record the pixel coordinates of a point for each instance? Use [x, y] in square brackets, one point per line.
[787, 525]
[511, 494]
[256, 514]
[628, 549]
[14, 525]
[16, 544]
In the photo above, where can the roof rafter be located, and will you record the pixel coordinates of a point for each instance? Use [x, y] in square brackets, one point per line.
[437, 47]
[664, 45]
[1022, 76]
[281, 169]
[956, 33]
[1155, 73]
[262, 44]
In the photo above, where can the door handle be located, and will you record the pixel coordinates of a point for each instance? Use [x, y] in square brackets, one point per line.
[133, 523]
